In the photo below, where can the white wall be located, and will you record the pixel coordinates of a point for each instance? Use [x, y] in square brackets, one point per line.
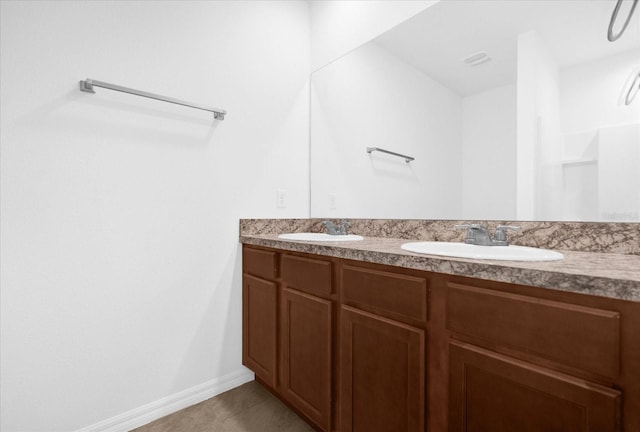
[351, 98]
[618, 173]
[337, 27]
[593, 93]
[120, 256]
[549, 137]
[539, 132]
[489, 154]
[592, 104]
[526, 127]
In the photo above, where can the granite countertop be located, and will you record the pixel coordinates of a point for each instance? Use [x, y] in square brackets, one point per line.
[601, 274]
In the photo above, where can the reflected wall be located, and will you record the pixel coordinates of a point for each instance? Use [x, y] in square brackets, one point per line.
[539, 131]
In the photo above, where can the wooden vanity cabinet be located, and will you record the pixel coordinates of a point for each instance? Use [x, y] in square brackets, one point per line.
[357, 347]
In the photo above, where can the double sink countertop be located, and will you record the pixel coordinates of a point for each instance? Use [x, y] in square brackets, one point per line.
[612, 270]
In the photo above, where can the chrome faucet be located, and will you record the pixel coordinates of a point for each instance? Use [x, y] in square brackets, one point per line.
[479, 235]
[339, 229]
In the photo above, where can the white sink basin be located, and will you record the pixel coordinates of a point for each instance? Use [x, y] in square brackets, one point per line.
[320, 237]
[463, 250]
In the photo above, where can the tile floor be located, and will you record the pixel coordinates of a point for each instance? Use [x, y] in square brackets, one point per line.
[248, 408]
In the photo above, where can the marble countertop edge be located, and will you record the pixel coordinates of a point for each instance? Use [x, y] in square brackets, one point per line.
[601, 274]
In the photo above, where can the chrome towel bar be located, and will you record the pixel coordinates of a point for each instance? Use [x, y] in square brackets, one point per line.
[407, 159]
[88, 85]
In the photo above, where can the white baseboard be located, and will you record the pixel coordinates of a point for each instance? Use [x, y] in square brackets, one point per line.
[147, 413]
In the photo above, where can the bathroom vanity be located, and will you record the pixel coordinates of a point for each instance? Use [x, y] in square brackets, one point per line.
[363, 336]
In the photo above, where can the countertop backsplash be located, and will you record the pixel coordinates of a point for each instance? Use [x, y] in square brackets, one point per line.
[601, 237]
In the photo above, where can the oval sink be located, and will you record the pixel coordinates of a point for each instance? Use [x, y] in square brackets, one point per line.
[463, 250]
[320, 237]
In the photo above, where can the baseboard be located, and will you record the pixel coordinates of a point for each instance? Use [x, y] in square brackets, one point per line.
[147, 413]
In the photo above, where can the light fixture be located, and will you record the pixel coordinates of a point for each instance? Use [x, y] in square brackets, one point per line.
[633, 89]
[477, 59]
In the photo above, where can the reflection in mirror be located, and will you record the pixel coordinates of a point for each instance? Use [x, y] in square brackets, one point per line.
[513, 110]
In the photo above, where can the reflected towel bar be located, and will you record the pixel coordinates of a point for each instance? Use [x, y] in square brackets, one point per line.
[407, 159]
[88, 85]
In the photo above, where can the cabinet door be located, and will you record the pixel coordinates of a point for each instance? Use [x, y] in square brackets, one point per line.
[306, 355]
[492, 392]
[259, 326]
[382, 374]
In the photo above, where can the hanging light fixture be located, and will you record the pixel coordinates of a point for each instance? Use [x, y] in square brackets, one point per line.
[614, 16]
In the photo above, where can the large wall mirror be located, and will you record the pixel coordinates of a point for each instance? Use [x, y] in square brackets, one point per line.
[512, 110]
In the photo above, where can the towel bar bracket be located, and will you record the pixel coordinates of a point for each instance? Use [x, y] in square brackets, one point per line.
[87, 86]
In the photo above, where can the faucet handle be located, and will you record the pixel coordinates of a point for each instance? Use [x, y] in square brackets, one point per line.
[344, 227]
[330, 227]
[472, 230]
[501, 232]
[336, 229]
[504, 228]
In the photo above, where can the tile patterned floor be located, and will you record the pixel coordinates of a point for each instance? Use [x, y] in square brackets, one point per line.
[248, 408]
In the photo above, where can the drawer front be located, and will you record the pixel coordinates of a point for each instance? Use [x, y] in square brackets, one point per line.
[307, 275]
[259, 263]
[388, 294]
[576, 336]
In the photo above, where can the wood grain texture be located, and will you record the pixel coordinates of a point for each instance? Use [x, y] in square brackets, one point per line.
[492, 392]
[554, 336]
[306, 341]
[307, 275]
[391, 294]
[382, 374]
[582, 337]
[260, 263]
[259, 327]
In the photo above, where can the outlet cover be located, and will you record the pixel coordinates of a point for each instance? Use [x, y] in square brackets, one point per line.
[281, 198]
[332, 201]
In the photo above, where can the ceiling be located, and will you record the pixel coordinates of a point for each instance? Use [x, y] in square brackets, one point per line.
[437, 40]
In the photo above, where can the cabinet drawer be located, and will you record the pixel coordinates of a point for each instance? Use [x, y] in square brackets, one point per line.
[576, 336]
[259, 263]
[393, 295]
[307, 275]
